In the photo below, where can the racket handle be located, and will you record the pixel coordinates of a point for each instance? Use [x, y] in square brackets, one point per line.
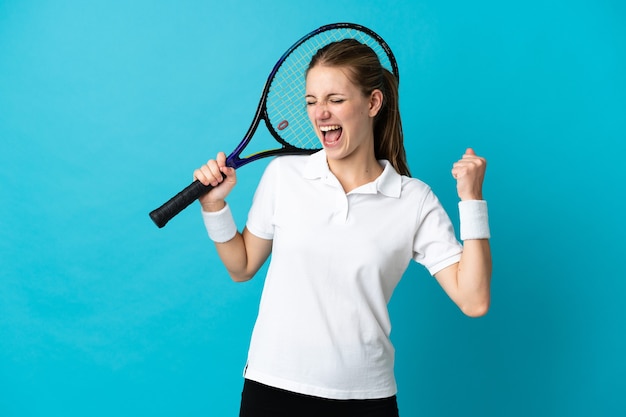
[178, 203]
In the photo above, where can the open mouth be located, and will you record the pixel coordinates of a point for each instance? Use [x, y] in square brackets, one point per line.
[331, 134]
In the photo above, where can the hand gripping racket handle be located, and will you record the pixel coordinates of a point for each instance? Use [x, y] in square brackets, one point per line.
[178, 203]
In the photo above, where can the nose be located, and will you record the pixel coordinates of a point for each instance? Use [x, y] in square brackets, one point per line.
[321, 111]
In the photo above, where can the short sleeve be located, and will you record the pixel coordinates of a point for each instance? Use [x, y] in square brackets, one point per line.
[435, 245]
[261, 215]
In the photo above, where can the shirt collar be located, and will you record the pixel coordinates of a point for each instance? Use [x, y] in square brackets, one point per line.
[389, 183]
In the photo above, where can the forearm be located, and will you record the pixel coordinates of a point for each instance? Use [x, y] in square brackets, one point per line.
[241, 253]
[474, 277]
[234, 256]
[468, 281]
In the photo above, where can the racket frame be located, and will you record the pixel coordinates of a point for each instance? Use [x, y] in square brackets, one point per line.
[184, 198]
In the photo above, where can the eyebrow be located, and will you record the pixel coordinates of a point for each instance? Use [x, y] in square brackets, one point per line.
[327, 95]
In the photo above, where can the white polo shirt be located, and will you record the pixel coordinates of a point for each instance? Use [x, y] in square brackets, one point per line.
[323, 326]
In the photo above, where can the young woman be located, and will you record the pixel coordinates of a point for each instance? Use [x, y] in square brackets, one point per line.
[342, 226]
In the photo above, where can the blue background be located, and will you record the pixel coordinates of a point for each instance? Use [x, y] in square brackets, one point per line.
[106, 107]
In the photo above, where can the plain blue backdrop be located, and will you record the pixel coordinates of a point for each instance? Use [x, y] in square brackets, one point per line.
[106, 107]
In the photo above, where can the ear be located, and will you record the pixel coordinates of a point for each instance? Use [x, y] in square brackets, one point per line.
[376, 102]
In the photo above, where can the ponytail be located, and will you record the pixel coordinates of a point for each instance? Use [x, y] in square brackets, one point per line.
[388, 135]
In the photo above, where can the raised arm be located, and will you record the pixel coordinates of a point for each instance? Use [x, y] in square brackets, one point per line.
[243, 254]
[468, 283]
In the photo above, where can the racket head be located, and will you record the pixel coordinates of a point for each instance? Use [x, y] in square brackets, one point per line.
[283, 106]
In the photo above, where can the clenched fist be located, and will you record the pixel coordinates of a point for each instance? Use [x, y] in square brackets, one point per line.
[469, 172]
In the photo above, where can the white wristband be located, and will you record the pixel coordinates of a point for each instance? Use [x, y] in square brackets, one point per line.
[220, 225]
[474, 220]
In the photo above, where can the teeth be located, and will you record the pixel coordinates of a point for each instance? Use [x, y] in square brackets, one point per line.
[329, 128]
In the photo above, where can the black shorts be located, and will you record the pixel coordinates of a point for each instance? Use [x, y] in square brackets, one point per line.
[258, 400]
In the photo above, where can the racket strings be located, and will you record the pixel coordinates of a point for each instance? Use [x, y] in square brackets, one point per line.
[286, 105]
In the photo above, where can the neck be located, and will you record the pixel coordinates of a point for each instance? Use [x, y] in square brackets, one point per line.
[353, 174]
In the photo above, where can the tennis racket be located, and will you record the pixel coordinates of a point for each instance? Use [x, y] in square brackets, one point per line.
[282, 107]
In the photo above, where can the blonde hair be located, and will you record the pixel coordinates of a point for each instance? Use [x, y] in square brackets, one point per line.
[365, 70]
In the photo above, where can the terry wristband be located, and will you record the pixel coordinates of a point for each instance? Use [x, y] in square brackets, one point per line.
[220, 225]
[474, 220]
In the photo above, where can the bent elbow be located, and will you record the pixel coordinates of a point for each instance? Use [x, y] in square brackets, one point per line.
[476, 310]
[240, 277]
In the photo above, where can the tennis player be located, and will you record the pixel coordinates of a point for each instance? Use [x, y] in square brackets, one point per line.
[342, 226]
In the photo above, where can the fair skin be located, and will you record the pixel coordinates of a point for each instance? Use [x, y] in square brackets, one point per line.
[343, 119]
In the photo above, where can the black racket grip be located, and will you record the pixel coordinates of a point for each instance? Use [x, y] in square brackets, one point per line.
[178, 203]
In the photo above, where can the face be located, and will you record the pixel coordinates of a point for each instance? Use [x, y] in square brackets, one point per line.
[341, 115]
